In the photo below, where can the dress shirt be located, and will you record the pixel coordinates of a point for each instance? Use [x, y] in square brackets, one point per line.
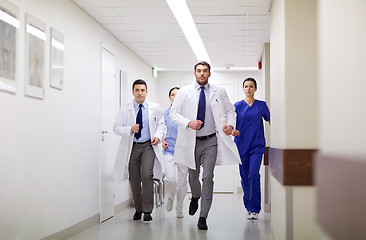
[145, 131]
[209, 126]
[171, 133]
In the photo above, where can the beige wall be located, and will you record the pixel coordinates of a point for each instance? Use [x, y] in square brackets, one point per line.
[301, 92]
[304, 213]
[294, 113]
[279, 220]
[277, 91]
[342, 75]
[293, 215]
[342, 113]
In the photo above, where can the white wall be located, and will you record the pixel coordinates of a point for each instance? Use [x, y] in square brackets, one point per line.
[49, 149]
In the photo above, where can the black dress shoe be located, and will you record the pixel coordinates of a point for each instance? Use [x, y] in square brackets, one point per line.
[202, 225]
[137, 216]
[147, 218]
[193, 206]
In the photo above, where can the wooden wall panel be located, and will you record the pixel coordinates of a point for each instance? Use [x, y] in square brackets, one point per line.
[292, 167]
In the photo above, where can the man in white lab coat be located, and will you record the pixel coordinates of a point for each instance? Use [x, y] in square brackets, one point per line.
[141, 125]
[205, 119]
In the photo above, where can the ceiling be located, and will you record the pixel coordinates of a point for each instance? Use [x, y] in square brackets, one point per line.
[233, 31]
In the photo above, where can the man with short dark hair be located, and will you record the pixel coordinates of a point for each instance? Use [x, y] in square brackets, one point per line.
[141, 125]
[205, 119]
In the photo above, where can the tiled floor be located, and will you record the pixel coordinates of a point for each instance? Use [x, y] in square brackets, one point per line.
[226, 221]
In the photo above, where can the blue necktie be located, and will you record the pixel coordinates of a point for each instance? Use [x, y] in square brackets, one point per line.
[139, 121]
[201, 107]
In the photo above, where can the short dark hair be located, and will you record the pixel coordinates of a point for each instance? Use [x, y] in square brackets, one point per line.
[252, 80]
[204, 64]
[170, 91]
[139, 81]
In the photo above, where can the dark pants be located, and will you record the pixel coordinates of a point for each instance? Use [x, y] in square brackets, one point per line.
[141, 176]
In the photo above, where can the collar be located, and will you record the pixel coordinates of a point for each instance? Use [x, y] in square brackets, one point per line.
[197, 86]
[136, 105]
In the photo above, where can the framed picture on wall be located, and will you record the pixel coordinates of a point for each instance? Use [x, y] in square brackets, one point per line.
[9, 28]
[35, 49]
[56, 59]
[122, 88]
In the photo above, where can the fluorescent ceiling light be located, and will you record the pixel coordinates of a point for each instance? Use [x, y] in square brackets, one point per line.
[185, 20]
[9, 19]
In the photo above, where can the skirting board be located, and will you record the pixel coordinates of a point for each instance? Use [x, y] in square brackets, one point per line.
[84, 225]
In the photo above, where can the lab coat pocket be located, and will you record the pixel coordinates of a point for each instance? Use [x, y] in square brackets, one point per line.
[217, 108]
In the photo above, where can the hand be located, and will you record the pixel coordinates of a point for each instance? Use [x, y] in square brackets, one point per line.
[228, 129]
[165, 144]
[235, 133]
[155, 141]
[195, 125]
[135, 128]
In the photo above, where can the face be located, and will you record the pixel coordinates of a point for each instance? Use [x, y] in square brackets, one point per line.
[202, 74]
[139, 92]
[172, 95]
[249, 88]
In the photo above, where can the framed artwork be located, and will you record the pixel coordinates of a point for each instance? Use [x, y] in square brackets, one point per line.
[122, 88]
[35, 49]
[9, 28]
[57, 59]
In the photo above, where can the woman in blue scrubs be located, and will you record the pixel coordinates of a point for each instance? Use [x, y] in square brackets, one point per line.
[249, 138]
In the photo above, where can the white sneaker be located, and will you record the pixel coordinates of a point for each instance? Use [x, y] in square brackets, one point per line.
[254, 216]
[179, 214]
[169, 205]
[249, 214]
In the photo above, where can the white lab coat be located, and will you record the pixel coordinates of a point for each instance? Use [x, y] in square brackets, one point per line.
[184, 110]
[125, 119]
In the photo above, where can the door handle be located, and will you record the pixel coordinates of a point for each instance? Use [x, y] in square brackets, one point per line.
[103, 135]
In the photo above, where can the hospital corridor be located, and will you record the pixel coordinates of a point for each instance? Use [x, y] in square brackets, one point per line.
[100, 99]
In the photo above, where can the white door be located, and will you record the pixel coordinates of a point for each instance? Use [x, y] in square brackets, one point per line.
[109, 141]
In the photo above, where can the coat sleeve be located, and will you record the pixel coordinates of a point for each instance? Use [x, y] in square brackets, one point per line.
[229, 109]
[177, 110]
[121, 126]
[160, 128]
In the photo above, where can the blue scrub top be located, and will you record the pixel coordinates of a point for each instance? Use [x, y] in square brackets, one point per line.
[171, 133]
[250, 125]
